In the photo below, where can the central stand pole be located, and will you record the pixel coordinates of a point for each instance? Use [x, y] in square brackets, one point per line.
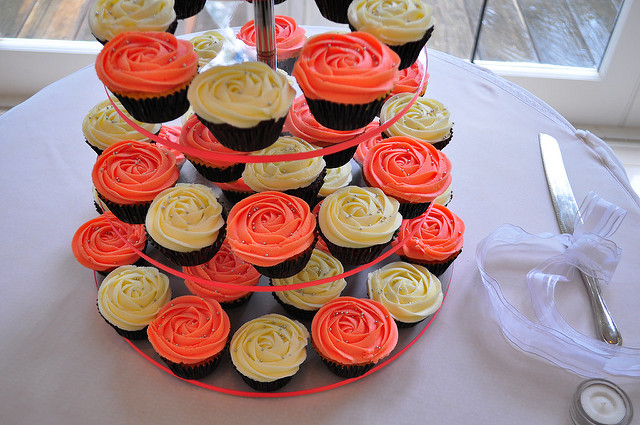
[265, 26]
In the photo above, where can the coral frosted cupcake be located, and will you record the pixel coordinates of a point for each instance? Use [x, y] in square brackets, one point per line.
[413, 172]
[191, 335]
[197, 136]
[130, 297]
[268, 351]
[301, 123]
[207, 46]
[129, 174]
[103, 126]
[364, 146]
[437, 242]
[149, 72]
[98, 243]
[346, 78]
[410, 292]
[403, 25]
[289, 40]
[412, 79]
[351, 335]
[358, 223]
[303, 303]
[302, 178]
[427, 119]
[108, 18]
[244, 105]
[171, 133]
[273, 231]
[225, 267]
[186, 223]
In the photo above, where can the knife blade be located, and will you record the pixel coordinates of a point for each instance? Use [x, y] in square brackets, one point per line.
[566, 209]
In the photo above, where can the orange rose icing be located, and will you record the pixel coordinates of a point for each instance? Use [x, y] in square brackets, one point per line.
[96, 244]
[407, 169]
[132, 172]
[439, 237]
[146, 62]
[196, 135]
[225, 267]
[301, 123]
[410, 79]
[270, 227]
[353, 331]
[363, 147]
[290, 37]
[353, 68]
[189, 329]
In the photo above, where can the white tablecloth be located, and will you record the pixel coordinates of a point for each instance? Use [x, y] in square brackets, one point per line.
[62, 364]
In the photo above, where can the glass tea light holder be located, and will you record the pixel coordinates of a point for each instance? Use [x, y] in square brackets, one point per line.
[600, 402]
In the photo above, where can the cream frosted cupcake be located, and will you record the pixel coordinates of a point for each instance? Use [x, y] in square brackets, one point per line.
[186, 223]
[108, 18]
[268, 351]
[357, 223]
[427, 119]
[445, 197]
[303, 303]
[244, 105]
[410, 292]
[302, 178]
[103, 126]
[403, 25]
[334, 179]
[208, 46]
[130, 297]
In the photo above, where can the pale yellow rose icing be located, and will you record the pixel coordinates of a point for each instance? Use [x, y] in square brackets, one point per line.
[393, 22]
[103, 126]
[445, 197]
[336, 178]
[320, 266]
[108, 18]
[427, 119]
[130, 297]
[409, 291]
[359, 217]
[207, 45]
[284, 175]
[269, 348]
[241, 95]
[185, 218]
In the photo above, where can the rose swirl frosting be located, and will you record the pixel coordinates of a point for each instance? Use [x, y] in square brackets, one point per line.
[410, 79]
[196, 135]
[289, 36]
[107, 18]
[189, 329]
[354, 331]
[427, 119]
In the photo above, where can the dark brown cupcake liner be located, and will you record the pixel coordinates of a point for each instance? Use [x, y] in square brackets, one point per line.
[95, 148]
[156, 109]
[441, 144]
[138, 335]
[129, 213]
[187, 8]
[255, 138]
[338, 159]
[356, 256]
[265, 386]
[310, 192]
[344, 116]
[347, 371]
[437, 268]
[192, 258]
[235, 196]
[294, 311]
[287, 64]
[223, 174]
[406, 325]
[334, 10]
[409, 210]
[237, 302]
[289, 267]
[195, 371]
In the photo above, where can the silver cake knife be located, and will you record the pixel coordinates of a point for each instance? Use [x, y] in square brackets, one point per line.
[566, 208]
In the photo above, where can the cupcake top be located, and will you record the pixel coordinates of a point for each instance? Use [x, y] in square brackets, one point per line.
[131, 172]
[108, 18]
[410, 79]
[269, 347]
[289, 36]
[268, 228]
[359, 217]
[185, 218]
[409, 291]
[364, 146]
[241, 95]
[439, 237]
[320, 266]
[354, 331]
[301, 123]
[427, 119]
[407, 169]
[189, 329]
[196, 135]
[171, 133]
[445, 197]
[130, 297]
[146, 62]
[352, 68]
[98, 245]
[225, 267]
[283, 175]
[393, 22]
[103, 126]
[336, 178]
[207, 46]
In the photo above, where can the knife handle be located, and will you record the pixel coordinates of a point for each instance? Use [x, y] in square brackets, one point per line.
[605, 326]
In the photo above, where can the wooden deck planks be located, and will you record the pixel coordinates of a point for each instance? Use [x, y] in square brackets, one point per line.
[55, 19]
[595, 20]
[453, 32]
[14, 14]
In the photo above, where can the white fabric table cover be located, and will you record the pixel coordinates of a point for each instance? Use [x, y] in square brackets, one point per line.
[62, 364]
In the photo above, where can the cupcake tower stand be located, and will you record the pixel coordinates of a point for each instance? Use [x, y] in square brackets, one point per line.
[311, 378]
